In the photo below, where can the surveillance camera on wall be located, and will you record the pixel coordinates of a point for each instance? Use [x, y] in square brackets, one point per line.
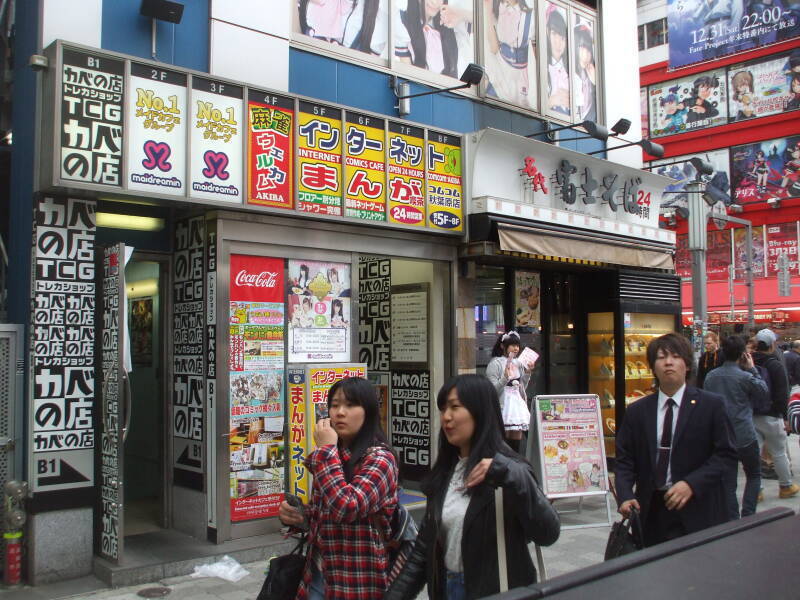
[774, 202]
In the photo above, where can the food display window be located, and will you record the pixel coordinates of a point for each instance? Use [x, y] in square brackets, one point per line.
[600, 337]
[639, 329]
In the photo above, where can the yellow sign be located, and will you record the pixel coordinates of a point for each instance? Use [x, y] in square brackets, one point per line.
[445, 199]
[365, 168]
[406, 174]
[319, 160]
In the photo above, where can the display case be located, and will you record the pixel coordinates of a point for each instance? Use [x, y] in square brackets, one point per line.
[617, 362]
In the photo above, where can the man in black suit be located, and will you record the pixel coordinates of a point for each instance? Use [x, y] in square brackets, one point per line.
[674, 447]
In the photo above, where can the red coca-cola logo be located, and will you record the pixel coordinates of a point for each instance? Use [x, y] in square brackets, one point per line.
[264, 279]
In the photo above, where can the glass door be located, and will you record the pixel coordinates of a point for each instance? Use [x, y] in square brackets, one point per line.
[563, 345]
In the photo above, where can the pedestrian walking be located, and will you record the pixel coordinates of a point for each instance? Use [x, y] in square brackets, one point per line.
[456, 552]
[771, 426]
[710, 359]
[742, 388]
[792, 362]
[353, 498]
[510, 380]
[673, 450]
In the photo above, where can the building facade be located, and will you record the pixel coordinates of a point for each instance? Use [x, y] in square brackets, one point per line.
[230, 212]
[746, 59]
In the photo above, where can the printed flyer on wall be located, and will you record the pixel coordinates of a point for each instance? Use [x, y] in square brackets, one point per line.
[571, 448]
[319, 309]
[257, 445]
[526, 301]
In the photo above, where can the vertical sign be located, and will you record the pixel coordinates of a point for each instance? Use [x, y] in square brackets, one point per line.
[216, 137]
[296, 430]
[91, 118]
[257, 448]
[445, 205]
[269, 150]
[62, 338]
[740, 252]
[156, 137]
[188, 368]
[406, 174]
[365, 167]
[411, 421]
[319, 160]
[111, 454]
[374, 312]
[781, 240]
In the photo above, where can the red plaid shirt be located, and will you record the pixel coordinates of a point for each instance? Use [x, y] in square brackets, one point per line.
[344, 543]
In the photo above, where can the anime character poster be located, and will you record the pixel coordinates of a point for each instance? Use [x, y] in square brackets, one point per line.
[766, 87]
[558, 99]
[359, 25]
[645, 118]
[141, 331]
[740, 252]
[685, 104]
[718, 255]
[683, 260]
[319, 311]
[584, 70]
[701, 30]
[526, 301]
[683, 173]
[767, 169]
[509, 51]
[436, 35]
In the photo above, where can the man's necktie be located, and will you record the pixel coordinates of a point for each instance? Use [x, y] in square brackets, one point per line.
[662, 463]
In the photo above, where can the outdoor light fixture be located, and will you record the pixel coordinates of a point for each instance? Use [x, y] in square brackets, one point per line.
[774, 202]
[472, 75]
[703, 167]
[595, 130]
[651, 148]
[135, 222]
[160, 10]
[669, 215]
[618, 128]
[621, 127]
[735, 208]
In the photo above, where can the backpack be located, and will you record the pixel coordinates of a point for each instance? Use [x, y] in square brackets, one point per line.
[764, 406]
[401, 541]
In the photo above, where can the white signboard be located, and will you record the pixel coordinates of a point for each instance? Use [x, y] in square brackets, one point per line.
[519, 177]
[156, 139]
[216, 141]
[410, 324]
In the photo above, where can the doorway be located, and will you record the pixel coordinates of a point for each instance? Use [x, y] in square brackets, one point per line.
[144, 446]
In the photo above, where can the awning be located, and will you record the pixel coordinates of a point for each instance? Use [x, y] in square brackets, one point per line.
[582, 247]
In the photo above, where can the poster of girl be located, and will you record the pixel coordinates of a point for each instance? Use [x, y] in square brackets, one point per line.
[760, 171]
[434, 34]
[362, 25]
[794, 90]
[742, 87]
[558, 98]
[585, 77]
[338, 318]
[510, 27]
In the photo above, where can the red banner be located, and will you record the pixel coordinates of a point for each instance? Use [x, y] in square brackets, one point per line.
[781, 239]
[718, 256]
[256, 279]
[269, 150]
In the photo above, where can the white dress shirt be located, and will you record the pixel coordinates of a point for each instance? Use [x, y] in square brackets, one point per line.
[677, 397]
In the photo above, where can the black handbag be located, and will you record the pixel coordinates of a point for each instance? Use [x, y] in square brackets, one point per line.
[625, 536]
[285, 573]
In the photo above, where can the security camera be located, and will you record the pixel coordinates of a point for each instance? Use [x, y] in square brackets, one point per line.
[38, 62]
[774, 202]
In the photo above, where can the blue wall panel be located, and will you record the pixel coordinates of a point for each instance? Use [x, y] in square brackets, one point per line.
[185, 44]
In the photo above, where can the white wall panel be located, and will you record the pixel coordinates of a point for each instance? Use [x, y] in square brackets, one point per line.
[79, 21]
[621, 81]
[266, 16]
[249, 56]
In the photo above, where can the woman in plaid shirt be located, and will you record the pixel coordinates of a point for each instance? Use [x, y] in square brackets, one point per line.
[354, 491]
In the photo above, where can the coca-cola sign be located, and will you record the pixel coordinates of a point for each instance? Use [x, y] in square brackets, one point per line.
[256, 279]
[264, 279]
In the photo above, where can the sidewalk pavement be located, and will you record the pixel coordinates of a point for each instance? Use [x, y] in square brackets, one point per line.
[575, 549]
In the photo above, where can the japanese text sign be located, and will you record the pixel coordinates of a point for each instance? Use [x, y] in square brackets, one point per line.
[406, 174]
[269, 155]
[319, 160]
[445, 202]
[365, 167]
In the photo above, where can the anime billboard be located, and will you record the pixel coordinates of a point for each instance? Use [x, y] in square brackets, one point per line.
[682, 105]
[764, 170]
[764, 87]
[702, 30]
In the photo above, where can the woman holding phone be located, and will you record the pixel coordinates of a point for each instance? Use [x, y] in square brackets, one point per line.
[352, 499]
[510, 380]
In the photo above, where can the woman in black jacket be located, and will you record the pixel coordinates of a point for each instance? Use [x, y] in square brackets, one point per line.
[456, 549]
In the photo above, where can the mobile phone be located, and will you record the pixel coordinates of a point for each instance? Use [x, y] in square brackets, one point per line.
[293, 500]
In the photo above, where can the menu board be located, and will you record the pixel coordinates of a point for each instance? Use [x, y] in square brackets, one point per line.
[270, 135]
[319, 309]
[781, 239]
[406, 174]
[445, 201]
[365, 167]
[319, 159]
[409, 319]
[257, 445]
[156, 140]
[216, 138]
[91, 118]
[571, 449]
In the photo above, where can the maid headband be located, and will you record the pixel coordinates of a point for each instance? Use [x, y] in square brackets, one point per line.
[509, 335]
